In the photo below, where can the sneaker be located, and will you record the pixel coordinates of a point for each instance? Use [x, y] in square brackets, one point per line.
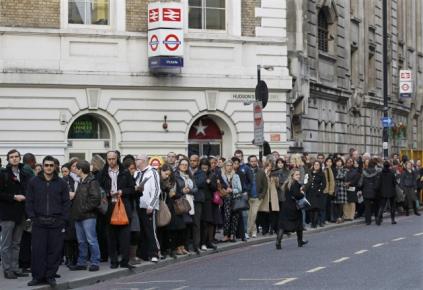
[10, 275]
[203, 248]
[211, 246]
[93, 268]
[247, 236]
[154, 260]
[254, 236]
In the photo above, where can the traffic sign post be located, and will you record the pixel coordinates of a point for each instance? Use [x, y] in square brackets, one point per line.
[258, 123]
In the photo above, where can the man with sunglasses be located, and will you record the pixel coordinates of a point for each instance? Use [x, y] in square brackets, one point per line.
[13, 185]
[48, 206]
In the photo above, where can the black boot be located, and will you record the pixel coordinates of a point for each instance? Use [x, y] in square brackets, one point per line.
[393, 217]
[416, 212]
[279, 240]
[300, 240]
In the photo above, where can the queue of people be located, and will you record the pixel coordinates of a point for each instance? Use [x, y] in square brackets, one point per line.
[124, 210]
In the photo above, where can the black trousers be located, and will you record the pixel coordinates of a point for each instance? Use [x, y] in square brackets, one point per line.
[119, 237]
[148, 232]
[370, 207]
[101, 228]
[382, 206]
[25, 251]
[47, 249]
[196, 227]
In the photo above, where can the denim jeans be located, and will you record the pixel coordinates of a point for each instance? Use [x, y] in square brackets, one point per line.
[87, 237]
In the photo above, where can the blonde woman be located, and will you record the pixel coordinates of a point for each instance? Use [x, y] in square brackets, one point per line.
[290, 217]
[269, 206]
[230, 188]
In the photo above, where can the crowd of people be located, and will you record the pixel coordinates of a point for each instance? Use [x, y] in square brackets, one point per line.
[124, 210]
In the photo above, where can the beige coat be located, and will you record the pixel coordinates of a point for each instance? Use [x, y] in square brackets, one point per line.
[330, 182]
[271, 195]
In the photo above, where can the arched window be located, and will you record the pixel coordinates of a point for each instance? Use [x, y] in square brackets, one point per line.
[88, 127]
[323, 32]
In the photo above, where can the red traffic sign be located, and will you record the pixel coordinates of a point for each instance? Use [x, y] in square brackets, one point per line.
[258, 114]
[154, 42]
[172, 42]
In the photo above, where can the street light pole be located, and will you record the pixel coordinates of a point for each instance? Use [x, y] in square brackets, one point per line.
[385, 77]
[258, 81]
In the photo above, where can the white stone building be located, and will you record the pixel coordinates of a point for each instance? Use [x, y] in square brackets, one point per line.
[69, 88]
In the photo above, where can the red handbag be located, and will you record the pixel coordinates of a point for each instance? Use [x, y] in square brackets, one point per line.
[217, 199]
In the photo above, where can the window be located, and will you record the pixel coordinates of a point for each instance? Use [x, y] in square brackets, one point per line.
[89, 12]
[88, 127]
[323, 32]
[207, 14]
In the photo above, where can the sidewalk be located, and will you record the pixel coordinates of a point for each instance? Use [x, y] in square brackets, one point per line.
[71, 280]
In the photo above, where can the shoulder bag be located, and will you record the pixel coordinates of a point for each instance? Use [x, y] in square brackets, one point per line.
[163, 215]
[181, 206]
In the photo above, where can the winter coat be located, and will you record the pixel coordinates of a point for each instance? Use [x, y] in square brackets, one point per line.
[330, 182]
[87, 199]
[271, 196]
[370, 182]
[200, 179]
[10, 209]
[386, 184]
[315, 187]
[48, 199]
[290, 218]
[125, 183]
[352, 179]
[235, 184]
[210, 212]
[340, 188]
[408, 179]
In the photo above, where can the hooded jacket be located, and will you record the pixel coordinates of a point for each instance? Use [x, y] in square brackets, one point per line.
[369, 185]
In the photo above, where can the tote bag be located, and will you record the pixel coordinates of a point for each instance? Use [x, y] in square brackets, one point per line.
[163, 216]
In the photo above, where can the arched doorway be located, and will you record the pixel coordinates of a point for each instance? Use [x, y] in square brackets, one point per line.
[88, 135]
[205, 138]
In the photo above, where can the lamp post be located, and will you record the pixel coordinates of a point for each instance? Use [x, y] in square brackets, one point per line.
[385, 77]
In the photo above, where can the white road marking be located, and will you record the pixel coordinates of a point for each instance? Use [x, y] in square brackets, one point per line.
[418, 234]
[341, 260]
[285, 281]
[259, 279]
[148, 282]
[378, 245]
[180, 288]
[315, 269]
[361, 252]
[398, 239]
[153, 288]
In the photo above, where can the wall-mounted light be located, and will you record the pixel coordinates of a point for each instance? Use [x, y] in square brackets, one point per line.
[165, 125]
[63, 119]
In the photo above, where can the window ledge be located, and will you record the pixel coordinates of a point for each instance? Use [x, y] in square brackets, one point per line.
[327, 56]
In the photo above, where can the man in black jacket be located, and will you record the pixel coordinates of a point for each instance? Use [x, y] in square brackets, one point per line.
[118, 183]
[48, 206]
[13, 184]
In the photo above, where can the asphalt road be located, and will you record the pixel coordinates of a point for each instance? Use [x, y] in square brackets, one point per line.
[356, 257]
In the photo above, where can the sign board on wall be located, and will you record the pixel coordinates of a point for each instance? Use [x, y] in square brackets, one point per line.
[165, 42]
[406, 83]
[165, 15]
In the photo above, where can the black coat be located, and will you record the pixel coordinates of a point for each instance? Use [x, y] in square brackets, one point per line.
[290, 218]
[48, 199]
[386, 184]
[315, 187]
[352, 178]
[125, 183]
[10, 209]
[87, 199]
[210, 211]
[369, 184]
[408, 179]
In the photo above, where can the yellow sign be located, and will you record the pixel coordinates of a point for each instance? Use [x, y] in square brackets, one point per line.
[156, 161]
